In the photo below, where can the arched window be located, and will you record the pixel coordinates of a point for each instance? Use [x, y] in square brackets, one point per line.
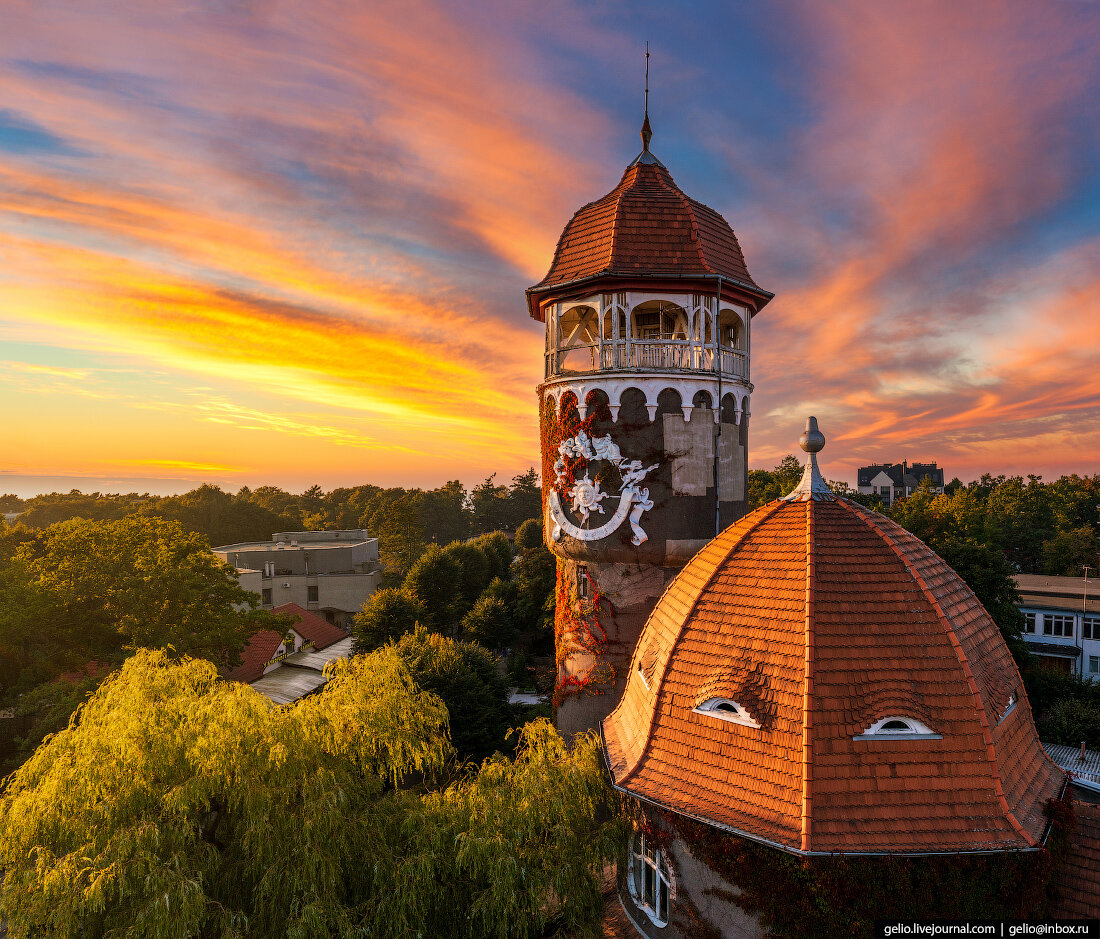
[898, 728]
[649, 880]
[728, 710]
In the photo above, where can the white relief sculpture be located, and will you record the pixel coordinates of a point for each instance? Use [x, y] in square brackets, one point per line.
[643, 504]
[587, 498]
[586, 495]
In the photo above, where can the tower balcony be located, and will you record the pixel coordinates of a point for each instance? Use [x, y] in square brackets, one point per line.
[642, 355]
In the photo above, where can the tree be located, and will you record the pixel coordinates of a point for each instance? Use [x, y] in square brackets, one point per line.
[400, 533]
[180, 805]
[489, 623]
[468, 679]
[223, 518]
[498, 551]
[1069, 721]
[524, 498]
[529, 536]
[385, 617]
[767, 485]
[489, 503]
[433, 582]
[1069, 551]
[142, 583]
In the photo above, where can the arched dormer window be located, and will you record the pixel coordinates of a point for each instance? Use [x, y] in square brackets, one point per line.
[728, 710]
[1009, 706]
[898, 728]
[649, 879]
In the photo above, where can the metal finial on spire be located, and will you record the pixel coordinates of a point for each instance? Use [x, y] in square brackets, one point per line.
[647, 132]
[812, 486]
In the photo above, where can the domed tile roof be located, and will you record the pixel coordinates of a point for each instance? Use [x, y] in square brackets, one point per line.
[810, 625]
[646, 226]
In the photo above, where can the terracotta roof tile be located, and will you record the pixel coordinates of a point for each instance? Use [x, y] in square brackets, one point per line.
[1078, 876]
[821, 618]
[259, 650]
[646, 225]
[311, 626]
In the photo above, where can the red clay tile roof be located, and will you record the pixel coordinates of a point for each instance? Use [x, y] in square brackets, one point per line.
[1077, 878]
[646, 226]
[255, 655]
[312, 627]
[820, 618]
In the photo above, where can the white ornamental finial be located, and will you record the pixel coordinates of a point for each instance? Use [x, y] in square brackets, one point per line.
[812, 485]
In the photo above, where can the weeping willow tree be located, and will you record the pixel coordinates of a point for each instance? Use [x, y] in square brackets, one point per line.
[178, 805]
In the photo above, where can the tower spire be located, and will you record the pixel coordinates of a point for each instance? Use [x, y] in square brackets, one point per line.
[647, 132]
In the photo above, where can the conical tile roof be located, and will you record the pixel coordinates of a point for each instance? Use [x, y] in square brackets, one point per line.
[646, 226]
[821, 620]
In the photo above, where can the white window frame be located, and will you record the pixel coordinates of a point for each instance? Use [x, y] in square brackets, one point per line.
[914, 730]
[1030, 620]
[1061, 620]
[1094, 664]
[649, 880]
[727, 709]
[1090, 627]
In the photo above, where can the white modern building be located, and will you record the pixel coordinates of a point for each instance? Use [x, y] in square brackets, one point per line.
[1062, 621]
[330, 573]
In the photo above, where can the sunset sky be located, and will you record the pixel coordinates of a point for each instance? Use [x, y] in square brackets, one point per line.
[286, 241]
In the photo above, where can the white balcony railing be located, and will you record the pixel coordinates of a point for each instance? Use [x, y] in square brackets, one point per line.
[659, 355]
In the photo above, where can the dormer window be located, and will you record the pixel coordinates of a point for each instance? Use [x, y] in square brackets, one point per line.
[728, 710]
[1010, 704]
[898, 728]
[641, 675]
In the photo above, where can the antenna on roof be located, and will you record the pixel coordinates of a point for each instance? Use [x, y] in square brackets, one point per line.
[647, 132]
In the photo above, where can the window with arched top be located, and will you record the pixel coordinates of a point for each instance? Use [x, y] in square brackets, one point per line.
[898, 728]
[728, 710]
[649, 879]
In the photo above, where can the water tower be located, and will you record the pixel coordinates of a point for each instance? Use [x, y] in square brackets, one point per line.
[644, 414]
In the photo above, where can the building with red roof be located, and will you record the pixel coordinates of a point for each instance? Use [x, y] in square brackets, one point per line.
[819, 681]
[807, 679]
[267, 649]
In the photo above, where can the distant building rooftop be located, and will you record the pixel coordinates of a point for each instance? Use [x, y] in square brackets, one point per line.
[302, 541]
[1059, 593]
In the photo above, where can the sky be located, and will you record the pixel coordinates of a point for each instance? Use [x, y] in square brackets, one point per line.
[286, 241]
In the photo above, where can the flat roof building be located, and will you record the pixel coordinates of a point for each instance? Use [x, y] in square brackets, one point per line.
[331, 573]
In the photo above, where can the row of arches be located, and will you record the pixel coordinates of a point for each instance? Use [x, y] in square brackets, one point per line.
[640, 403]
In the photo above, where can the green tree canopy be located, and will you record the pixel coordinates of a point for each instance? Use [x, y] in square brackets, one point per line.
[180, 805]
[385, 617]
[468, 679]
[489, 623]
[141, 582]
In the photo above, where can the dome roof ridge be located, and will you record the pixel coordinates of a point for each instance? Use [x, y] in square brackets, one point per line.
[821, 622]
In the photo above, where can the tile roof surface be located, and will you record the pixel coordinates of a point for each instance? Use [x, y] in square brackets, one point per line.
[1078, 876]
[820, 618]
[311, 626]
[256, 654]
[646, 226]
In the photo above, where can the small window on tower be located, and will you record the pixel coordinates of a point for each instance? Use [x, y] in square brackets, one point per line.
[311, 594]
[582, 582]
